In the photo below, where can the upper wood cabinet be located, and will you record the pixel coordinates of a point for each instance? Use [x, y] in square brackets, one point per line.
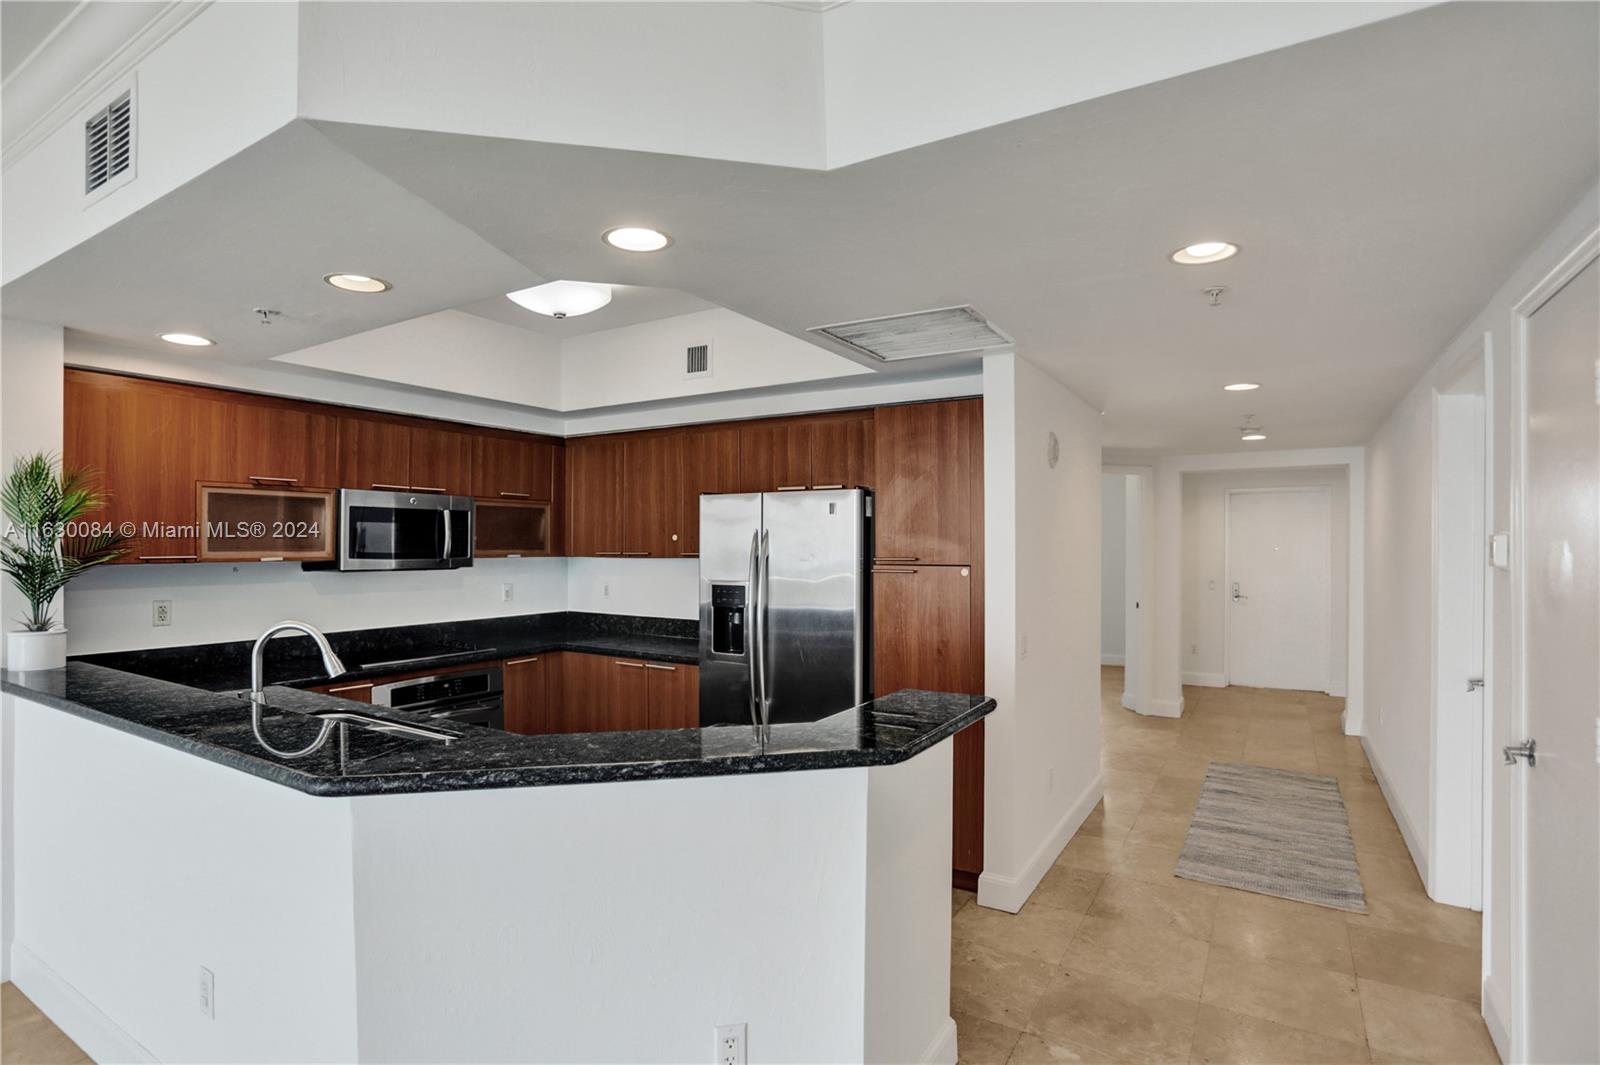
[278, 445]
[441, 461]
[842, 451]
[652, 483]
[710, 467]
[594, 496]
[510, 468]
[374, 454]
[775, 456]
[929, 468]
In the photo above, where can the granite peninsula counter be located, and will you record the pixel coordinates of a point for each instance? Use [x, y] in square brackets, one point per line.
[591, 897]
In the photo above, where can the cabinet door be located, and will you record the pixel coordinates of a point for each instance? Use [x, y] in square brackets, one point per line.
[374, 454]
[441, 461]
[925, 510]
[841, 451]
[528, 708]
[506, 529]
[674, 695]
[507, 468]
[627, 696]
[775, 456]
[710, 466]
[585, 693]
[652, 470]
[594, 496]
[922, 630]
[283, 447]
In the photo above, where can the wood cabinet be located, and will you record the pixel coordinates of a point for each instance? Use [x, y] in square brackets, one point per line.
[594, 496]
[513, 468]
[245, 523]
[775, 456]
[926, 456]
[922, 630]
[533, 694]
[652, 485]
[360, 692]
[505, 528]
[279, 445]
[842, 451]
[674, 695]
[710, 467]
[441, 461]
[374, 454]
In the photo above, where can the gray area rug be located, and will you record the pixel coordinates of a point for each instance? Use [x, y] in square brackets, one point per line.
[1275, 832]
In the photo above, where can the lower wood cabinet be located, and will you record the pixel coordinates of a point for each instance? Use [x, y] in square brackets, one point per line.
[533, 695]
[575, 692]
[674, 691]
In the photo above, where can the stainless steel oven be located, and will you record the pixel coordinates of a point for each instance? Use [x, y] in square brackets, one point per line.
[471, 697]
[404, 530]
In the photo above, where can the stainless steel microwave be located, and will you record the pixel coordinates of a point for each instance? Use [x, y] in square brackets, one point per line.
[404, 530]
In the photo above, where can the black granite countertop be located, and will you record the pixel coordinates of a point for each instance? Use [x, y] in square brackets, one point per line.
[216, 726]
[292, 660]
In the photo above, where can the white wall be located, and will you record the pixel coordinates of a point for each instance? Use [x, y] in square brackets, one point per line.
[1113, 566]
[1042, 624]
[223, 81]
[650, 587]
[450, 351]
[644, 362]
[1205, 594]
[1399, 640]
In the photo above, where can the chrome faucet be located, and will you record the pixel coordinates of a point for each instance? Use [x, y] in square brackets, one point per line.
[330, 661]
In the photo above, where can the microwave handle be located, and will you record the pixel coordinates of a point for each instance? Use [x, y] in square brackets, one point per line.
[445, 516]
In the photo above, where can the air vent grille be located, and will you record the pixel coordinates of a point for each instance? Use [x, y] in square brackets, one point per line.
[697, 359]
[919, 334]
[108, 143]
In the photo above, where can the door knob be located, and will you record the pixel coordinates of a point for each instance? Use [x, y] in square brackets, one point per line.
[1474, 683]
[1236, 596]
[1522, 750]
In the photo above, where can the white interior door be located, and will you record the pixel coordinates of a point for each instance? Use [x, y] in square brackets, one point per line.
[1561, 684]
[1280, 577]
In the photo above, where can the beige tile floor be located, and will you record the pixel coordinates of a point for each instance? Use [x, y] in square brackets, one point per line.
[1114, 959]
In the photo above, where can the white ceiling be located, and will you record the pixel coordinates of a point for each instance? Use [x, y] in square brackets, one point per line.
[24, 26]
[1380, 182]
[630, 305]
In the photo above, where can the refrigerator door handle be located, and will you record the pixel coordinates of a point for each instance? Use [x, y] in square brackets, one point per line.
[753, 652]
[761, 641]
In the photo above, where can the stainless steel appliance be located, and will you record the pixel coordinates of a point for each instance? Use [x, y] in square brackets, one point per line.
[785, 634]
[404, 530]
[471, 697]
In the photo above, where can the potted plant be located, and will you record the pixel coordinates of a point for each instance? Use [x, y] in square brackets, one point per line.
[46, 543]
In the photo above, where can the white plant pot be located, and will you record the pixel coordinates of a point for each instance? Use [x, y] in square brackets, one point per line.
[28, 651]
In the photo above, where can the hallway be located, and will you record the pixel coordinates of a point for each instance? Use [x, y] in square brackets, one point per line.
[1116, 959]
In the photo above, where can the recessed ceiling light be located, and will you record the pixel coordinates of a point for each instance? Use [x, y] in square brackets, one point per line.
[1206, 251]
[562, 299]
[358, 283]
[188, 340]
[1253, 434]
[635, 238]
[1241, 386]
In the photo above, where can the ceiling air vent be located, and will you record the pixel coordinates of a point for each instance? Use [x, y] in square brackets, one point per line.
[697, 360]
[918, 335]
[108, 144]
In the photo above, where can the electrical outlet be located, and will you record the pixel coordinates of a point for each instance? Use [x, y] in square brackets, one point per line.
[506, 591]
[160, 612]
[605, 591]
[730, 1044]
[208, 993]
[1194, 648]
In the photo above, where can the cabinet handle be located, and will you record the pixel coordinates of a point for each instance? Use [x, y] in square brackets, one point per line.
[607, 554]
[516, 495]
[881, 569]
[886, 558]
[425, 488]
[636, 554]
[689, 554]
[270, 558]
[820, 487]
[657, 665]
[522, 661]
[389, 487]
[168, 558]
[350, 687]
[629, 665]
[274, 480]
[791, 488]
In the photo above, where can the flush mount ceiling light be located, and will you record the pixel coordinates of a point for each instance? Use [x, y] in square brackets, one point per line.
[635, 238]
[1206, 251]
[188, 340]
[1241, 386]
[357, 282]
[1250, 431]
[562, 299]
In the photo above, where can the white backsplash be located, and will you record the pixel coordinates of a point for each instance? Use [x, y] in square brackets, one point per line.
[652, 587]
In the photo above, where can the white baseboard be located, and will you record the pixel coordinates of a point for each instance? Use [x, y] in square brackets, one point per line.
[1111, 660]
[1153, 707]
[1494, 1020]
[942, 1051]
[1205, 680]
[100, 1037]
[1419, 855]
[1000, 892]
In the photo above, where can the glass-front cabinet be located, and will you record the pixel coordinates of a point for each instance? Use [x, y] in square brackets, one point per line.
[243, 523]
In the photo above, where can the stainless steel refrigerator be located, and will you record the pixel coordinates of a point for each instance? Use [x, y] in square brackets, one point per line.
[785, 634]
